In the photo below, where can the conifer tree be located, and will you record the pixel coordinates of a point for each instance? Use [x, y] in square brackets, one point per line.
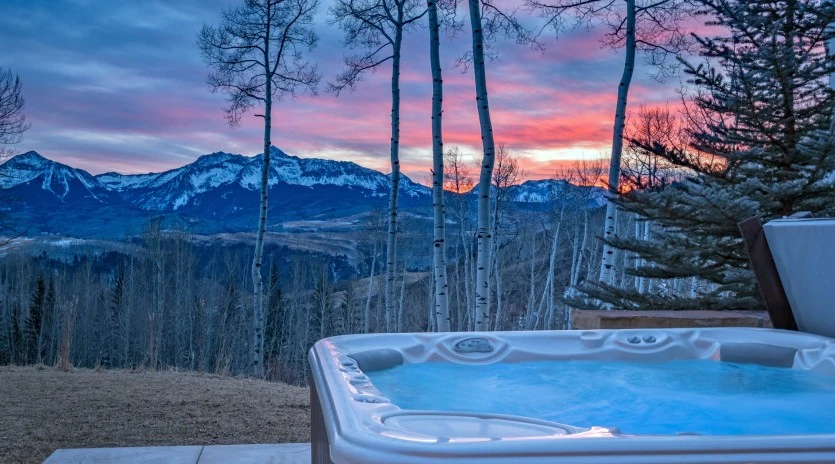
[756, 142]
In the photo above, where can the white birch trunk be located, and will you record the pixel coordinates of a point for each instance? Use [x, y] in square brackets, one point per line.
[549, 280]
[575, 257]
[367, 312]
[431, 323]
[459, 314]
[257, 280]
[468, 296]
[645, 237]
[583, 246]
[575, 277]
[391, 245]
[607, 262]
[640, 281]
[400, 303]
[551, 304]
[499, 299]
[569, 323]
[441, 287]
[466, 250]
[621, 264]
[532, 282]
[482, 280]
[494, 256]
[830, 51]
[469, 280]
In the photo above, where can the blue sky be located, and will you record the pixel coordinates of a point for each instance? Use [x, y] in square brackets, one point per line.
[120, 86]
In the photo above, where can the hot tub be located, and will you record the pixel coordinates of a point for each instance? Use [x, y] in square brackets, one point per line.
[355, 422]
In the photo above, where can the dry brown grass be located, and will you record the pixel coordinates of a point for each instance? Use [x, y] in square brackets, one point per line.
[43, 409]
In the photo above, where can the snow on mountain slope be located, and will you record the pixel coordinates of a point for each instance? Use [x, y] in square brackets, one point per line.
[538, 191]
[535, 192]
[177, 188]
[314, 171]
[56, 178]
[222, 180]
[121, 182]
[207, 172]
[23, 168]
[547, 190]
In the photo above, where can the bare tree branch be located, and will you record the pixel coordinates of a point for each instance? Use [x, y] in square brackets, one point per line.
[370, 26]
[12, 120]
[263, 40]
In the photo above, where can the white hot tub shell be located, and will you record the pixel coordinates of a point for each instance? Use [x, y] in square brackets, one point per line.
[352, 422]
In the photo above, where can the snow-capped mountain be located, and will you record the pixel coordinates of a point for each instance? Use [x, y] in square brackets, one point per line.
[548, 190]
[54, 182]
[217, 192]
[183, 187]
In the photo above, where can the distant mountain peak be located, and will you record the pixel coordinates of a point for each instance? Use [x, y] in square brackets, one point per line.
[217, 157]
[60, 180]
[31, 154]
[30, 159]
[275, 151]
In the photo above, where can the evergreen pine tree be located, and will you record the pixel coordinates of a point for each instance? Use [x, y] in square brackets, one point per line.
[756, 142]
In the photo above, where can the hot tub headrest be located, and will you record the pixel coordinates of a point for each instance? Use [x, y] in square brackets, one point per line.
[758, 353]
[377, 360]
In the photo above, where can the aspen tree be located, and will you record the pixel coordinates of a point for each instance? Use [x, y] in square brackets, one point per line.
[256, 58]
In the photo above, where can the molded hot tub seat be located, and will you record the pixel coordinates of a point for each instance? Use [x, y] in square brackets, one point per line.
[353, 422]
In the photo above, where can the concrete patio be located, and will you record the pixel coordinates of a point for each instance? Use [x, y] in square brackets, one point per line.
[288, 453]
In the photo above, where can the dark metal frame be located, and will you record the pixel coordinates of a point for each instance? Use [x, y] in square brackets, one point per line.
[762, 263]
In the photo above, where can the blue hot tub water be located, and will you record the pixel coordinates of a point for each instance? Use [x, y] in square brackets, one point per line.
[695, 396]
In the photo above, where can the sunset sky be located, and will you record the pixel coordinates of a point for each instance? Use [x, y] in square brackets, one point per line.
[120, 86]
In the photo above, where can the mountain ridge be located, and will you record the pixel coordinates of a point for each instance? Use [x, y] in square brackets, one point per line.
[220, 191]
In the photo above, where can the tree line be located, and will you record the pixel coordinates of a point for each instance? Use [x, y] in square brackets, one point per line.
[170, 301]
